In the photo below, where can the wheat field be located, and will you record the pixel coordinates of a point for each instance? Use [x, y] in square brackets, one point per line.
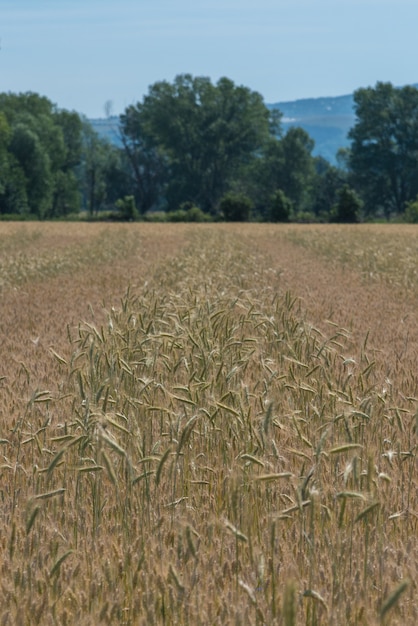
[208, 424]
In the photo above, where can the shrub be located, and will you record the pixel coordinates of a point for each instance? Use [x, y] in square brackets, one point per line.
[305, 217]
[127, 211]
[188, 212]
[180, 215]
[280, 207]
[236, 207]
[348, 207]
[411, 212]
[195, 214]
[155, 216]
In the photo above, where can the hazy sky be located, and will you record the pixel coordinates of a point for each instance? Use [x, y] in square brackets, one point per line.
[82, 53]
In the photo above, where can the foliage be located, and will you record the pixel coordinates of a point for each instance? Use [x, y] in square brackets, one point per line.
[411, 211]
[188, 212]
[159, 217]
[284, 163]
[327, 182]
[52, 163]
[127, 211]
[43, 151]
[384, 151]
[205, 133]
[147, 166]
[298, 166]
[235, 207]
[4, 143]
[195, 214]
[280, 207]
[189, 143]
[103, 176]
[348, 207]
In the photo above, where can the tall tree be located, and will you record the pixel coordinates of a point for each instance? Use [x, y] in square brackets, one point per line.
[33, 160]
[384, 149]
[284, 164]
[95, 154]
[205, 133]
[298, 165]
[328, 182]
[44, 151]
[4, 144]
[66, 193]
[147, 164]
[13, 196]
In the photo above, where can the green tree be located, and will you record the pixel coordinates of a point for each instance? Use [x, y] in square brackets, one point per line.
[44, 149]
[384, 148]
[284, 163]
[5, 134]
[204, 132]
[280, 207]
[13, 194]
[34, 162]
[327, 183]
[94, 160]
[148, 166]
[411, 211]
[348, 207]
[127, 209]
[66, 195]
[235, 207]
[298, 166]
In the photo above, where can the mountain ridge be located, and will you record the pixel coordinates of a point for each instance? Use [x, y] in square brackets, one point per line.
[326, 119]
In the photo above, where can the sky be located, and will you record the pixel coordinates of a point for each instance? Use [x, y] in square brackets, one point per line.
[82, 54]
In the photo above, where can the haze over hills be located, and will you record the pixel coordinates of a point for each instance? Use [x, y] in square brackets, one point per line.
[327, 120]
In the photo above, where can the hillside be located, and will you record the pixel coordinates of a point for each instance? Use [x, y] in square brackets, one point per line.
[326, 120]
[107, 128]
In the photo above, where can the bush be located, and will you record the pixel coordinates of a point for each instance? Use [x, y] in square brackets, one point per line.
[280, 207]
[156, 216]
[127, 211]
[347, 210]
[236, 207]
[305, 217]
[411, 212]
[188, 212]
[194, 214]
[18, 217]
[177, 216]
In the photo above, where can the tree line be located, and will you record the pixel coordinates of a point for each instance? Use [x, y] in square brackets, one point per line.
[194, 150]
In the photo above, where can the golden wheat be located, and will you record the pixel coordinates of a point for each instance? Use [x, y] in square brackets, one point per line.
[196, 428]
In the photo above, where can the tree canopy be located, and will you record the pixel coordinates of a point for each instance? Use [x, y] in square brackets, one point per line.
[384, 151]
[43, 148]
[204, 133]
[195, 150]
[52, 162]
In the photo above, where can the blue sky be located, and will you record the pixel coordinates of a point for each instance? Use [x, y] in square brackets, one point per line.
[82, 53]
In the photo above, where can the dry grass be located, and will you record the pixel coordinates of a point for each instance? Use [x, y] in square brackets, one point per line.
[221, 443]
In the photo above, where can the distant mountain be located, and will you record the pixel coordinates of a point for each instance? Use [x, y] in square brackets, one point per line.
[326, 120]
[108, 128]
